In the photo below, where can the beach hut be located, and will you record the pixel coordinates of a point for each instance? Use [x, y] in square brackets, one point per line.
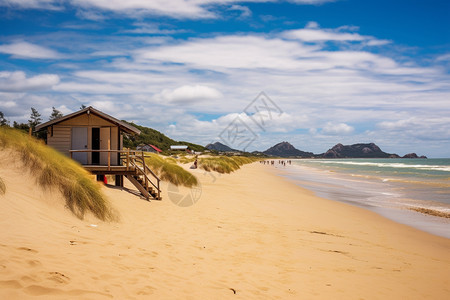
[148, 148]
[179, 148]
[86, 129]
[95, 140]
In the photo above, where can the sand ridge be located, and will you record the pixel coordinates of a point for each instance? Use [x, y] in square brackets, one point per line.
[251, 235]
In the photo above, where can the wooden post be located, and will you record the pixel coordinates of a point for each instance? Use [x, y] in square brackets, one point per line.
[128, 158]
[159, 196]
[119, 180]
[30, 131]
[145, 176]
[109, 154]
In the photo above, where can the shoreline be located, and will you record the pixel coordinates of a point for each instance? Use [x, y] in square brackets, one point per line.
[252, 234]
[369, 195]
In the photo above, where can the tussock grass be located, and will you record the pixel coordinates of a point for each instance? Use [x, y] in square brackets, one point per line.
[168, 170]
[224, 164]
[171, 160]
[2, 187]
[186, 160]
[54, 170]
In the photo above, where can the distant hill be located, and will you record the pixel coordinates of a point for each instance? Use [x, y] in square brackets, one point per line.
[220, 147]
[156, 138]
[284, 149]
[413, 155]
[357, 151]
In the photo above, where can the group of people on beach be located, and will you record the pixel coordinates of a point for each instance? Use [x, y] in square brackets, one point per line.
[280, 162]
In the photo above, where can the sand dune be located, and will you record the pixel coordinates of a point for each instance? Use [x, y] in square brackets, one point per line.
[250, 235]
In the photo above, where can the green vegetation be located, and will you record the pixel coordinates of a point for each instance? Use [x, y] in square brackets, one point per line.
[168, 170]
[2, 187]
[224, 164]
[185, 160]
[156, 138]
[54, 170]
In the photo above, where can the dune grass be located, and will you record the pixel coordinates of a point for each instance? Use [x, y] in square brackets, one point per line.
[54, 170]
[2, 187]
[186, 160]
[224, 164]
[168, 170]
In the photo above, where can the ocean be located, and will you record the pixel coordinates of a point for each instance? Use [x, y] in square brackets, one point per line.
[394, 188]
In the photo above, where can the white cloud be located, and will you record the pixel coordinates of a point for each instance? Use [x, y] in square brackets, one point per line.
[445, 57]
[374, 42]
[18, 82]
[427, 127]
[245, 11]
[311, 1]
[149, 28]
[312, 25]
[315, 35]
[198, 9]
[337, 129]
[173, 8]
[189, 94]
[89, 14]
[220, 52]
[26, 50]
[35, 4]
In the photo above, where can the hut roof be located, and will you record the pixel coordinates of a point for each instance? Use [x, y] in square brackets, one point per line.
[90, 110]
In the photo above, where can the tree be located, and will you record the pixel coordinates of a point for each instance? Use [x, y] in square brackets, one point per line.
[3, 121]
[56, 114]
[35, 118]
[21, 126]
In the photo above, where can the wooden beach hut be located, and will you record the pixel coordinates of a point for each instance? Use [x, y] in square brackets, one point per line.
[95, 140]
[148, 148]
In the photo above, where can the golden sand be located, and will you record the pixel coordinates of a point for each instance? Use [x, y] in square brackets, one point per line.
[250, 235]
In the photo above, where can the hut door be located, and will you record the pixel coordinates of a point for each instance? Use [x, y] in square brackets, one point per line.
[105, 144]
[79, 142]
[95, 146]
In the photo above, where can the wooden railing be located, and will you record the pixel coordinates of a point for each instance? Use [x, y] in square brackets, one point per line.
[132, 160]
[137, 160]
[98, 151]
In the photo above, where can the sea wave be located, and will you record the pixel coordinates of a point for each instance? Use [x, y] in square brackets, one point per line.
[443, 168]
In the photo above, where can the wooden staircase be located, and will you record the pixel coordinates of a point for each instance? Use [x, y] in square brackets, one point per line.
[132, 166]
[141, 177]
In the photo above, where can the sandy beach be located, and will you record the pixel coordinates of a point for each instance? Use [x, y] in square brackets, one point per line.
[250, 235]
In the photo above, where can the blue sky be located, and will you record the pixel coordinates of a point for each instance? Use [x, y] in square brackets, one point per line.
[343, 71]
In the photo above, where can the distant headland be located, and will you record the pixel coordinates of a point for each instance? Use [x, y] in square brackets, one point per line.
[285, 149]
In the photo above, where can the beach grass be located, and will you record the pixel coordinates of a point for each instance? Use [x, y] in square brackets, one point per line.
[168, 170]
[54, 170]
[224, 164]
[186, 160]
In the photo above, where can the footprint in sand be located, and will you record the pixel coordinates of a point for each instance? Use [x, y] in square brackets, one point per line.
[58, 277]
[34, 263]
[147, 290]
[27, 249]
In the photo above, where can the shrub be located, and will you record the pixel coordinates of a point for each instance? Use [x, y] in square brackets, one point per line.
[224, 164]
[168, 170]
